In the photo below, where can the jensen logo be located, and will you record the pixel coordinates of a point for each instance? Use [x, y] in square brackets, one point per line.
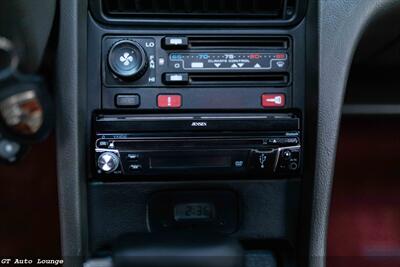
[199, 124]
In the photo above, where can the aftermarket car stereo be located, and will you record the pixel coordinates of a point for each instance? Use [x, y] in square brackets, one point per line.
[197, 147]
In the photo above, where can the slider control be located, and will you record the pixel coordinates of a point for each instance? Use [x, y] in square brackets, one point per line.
[176, 78]
[175, 42]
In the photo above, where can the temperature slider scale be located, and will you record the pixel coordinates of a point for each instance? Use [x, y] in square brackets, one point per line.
[274, 62]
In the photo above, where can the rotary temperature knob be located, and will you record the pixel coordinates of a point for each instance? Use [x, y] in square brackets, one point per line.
[127, 60]
[108, 162]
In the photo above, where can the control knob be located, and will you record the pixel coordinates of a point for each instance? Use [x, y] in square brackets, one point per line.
[287, 154]
[108, 162]
[127, 60]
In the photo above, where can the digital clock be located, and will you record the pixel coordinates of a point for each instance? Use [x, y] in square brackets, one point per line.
[194, 211]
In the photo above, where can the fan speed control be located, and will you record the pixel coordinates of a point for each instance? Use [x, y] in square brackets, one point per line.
[127, 60]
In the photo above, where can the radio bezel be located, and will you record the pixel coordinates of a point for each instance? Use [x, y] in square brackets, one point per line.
[236, 137]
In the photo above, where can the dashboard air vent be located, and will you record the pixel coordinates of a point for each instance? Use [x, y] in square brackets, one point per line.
[193, 9]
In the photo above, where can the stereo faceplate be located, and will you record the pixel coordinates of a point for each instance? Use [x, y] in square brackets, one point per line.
[197, 147]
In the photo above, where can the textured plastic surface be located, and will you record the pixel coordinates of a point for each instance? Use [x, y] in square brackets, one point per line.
[341, 25]
[70, 105]
[269, 209]
[177, 249]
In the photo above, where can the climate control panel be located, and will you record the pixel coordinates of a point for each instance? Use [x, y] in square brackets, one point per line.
[178, 71]
[190, 61]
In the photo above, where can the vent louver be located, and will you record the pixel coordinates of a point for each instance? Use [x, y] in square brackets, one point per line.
[194, 9]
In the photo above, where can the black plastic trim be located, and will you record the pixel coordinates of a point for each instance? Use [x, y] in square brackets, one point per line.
[70, 129]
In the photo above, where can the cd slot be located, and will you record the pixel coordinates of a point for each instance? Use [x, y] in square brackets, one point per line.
[209, 78]
[238, 42]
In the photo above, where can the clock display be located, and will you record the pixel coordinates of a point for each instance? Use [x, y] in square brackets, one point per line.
[194, 211]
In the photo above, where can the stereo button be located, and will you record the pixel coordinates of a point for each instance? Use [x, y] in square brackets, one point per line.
[285, 141]
[103, 144]
[169, 101]
[286, 154]
[135, 167]
[133, 156]
[108, 162]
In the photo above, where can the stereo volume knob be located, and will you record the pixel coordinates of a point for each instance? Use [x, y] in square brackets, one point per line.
[127, 59]
[108, 162]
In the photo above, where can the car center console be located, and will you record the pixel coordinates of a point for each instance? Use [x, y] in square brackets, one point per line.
[183, 136]
[194, 125]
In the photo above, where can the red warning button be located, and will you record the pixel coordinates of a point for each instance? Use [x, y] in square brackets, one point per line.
[273, 100]
[169, 101]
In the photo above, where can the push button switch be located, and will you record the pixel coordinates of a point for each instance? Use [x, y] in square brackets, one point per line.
[135, 167]
[169, 101]
[127, 101]
[273, 100]
[103, 143]
[132, 157]
[284, 141]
